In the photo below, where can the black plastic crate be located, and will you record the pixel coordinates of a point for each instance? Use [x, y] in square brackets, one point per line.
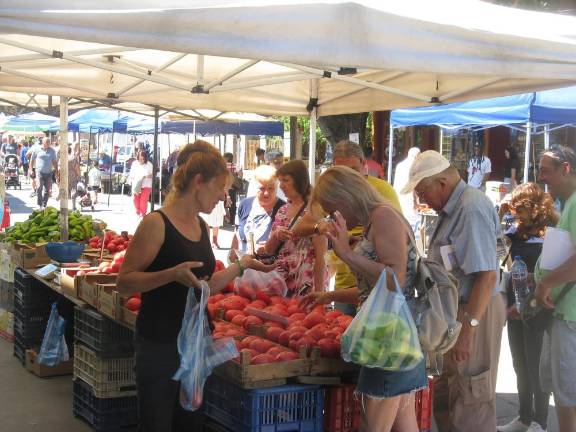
[19, 351]
[31, 323]
[104, 414]
[7, 295]
[33, 296]
[105, 337]
[28, 340]
[22, 278]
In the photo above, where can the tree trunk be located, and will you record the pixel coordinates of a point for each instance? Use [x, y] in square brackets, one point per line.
[339, 127]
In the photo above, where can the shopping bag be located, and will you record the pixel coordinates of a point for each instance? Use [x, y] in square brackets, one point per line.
[253, 281]
[199, 353]
[383, 334]
[54, 348]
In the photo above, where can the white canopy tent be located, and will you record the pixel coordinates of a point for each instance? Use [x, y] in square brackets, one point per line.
[290, 57]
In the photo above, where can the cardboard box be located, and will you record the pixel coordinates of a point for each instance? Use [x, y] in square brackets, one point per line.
[42, 371]
[29, 256]
[88, 287]
[70, 281]
[109, 303]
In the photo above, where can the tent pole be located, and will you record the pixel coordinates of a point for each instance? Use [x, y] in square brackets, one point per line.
[441, 140]
[313, 122]
[527, 151]
[546, 137]
[155, 157]
[110, 170]
[63, 185]
[390, 152]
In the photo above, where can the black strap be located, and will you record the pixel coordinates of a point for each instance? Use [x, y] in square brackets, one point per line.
[294, 220]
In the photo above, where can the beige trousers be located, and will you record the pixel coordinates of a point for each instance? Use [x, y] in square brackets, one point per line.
[465, 393]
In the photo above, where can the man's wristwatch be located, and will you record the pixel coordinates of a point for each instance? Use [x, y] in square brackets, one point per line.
[471, 320]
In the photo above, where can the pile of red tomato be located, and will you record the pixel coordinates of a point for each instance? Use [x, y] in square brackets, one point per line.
[112, 242]
[288, 329]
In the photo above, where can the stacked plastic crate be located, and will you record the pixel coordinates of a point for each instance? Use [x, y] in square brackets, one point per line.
[104, 380]
[32, 302]
[6, 296]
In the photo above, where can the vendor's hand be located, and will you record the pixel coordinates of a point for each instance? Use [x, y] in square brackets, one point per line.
[315, 298]
[543, 296]
[261, 251]
[283, 234]
[324, 226]
[183, 273]
[463, 347]
[512, 313]
[338, 235]
[232, 256]
[248, 262]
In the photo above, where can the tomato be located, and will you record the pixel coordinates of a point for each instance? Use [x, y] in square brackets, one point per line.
[262, 359]
[232, 313]
[287, 356]
[312, 319]
[262, 296]
[294, 309]
[238, 320]
[284, 338]
[115, 268]
[329, 348]
[133, 304]
[274, 351]
[81, 273]
[257, 304]
[333, 314]
[296, 317]
[247, 341]
[252, 320]
[250, 352]
[277, 300]
[219, 266]
[306, 342]
[273, 333]
[107, 270]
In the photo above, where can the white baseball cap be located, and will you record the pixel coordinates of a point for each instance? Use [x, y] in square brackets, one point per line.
[425, 165]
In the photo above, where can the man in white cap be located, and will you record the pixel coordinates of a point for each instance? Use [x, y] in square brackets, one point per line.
[465, 242]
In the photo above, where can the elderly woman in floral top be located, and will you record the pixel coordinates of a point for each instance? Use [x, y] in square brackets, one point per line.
[300, 260]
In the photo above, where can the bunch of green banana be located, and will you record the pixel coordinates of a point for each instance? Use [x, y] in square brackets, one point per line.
[43, 226]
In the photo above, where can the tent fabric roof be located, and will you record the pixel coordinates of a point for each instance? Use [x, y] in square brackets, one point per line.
[282, 56]
[30, 122]
[552, 106]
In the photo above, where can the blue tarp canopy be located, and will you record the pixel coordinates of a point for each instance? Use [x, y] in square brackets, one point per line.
[30, 122]
[551, 106]
[271, 128]
[98, 120]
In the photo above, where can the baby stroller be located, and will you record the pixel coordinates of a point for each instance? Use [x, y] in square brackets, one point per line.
[82, 194]
[11, 174]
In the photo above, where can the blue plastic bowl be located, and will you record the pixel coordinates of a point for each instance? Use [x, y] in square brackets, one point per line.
[65, 252]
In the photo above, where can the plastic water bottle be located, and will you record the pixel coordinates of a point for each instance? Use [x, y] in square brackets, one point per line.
[519, 281]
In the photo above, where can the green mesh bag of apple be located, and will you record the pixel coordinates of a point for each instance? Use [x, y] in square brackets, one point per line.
[383, 334]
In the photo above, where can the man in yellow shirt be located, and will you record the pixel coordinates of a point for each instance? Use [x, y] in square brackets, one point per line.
[349, 154]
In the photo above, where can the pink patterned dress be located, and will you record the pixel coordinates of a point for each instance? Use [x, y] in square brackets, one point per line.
[296, 259]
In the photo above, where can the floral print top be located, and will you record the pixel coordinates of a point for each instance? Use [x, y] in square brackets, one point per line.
[295, 260]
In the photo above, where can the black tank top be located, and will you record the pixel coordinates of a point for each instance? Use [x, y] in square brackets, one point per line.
[162, 309]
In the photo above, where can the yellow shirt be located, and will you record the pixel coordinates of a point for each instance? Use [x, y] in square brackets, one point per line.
[344, 277]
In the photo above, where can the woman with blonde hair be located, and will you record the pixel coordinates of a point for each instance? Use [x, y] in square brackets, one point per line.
[388, 397]
[169, 253]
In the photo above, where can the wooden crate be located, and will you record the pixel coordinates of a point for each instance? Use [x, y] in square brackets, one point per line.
[250, 376]
[322, 366]
[128, 317]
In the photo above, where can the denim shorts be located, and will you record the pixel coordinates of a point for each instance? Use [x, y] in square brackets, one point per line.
[380, 384]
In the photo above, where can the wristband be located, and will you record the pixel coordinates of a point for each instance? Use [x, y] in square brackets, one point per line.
[241, 267]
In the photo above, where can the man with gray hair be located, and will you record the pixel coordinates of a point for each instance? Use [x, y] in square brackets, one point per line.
[465, 241]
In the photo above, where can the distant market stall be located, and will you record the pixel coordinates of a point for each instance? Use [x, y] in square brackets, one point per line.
[532, 113]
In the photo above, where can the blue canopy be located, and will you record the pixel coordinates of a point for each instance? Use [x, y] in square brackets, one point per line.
[551, 106]
[224, 128]
[90, 120]
[30, 122]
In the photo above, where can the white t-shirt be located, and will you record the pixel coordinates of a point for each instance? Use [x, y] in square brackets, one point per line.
[476, 171]
[138, 171]
[94, 177]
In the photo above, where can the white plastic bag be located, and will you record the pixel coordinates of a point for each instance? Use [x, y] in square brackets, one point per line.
[383, 334]
[253, 281]
[199, 353]
[54, 348]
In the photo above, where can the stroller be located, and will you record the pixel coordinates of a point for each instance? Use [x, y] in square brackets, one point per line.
[83, 195]
[11, 174]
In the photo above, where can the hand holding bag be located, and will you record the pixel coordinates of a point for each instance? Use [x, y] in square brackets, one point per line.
[536, 317]
[383, 334]
[199, 353]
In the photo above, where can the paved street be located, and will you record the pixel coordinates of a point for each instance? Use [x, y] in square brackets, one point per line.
[120, 215]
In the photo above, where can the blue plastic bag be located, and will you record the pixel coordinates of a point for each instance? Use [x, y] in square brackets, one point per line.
[54, 348]
[199, 353]
[383, 334]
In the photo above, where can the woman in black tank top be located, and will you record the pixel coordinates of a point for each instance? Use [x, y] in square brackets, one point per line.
[170, 252]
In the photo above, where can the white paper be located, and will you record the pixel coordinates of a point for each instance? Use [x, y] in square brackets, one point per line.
[448, 257]
[558, 247]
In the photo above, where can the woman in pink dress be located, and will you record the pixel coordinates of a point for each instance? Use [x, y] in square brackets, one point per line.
[299, 260]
